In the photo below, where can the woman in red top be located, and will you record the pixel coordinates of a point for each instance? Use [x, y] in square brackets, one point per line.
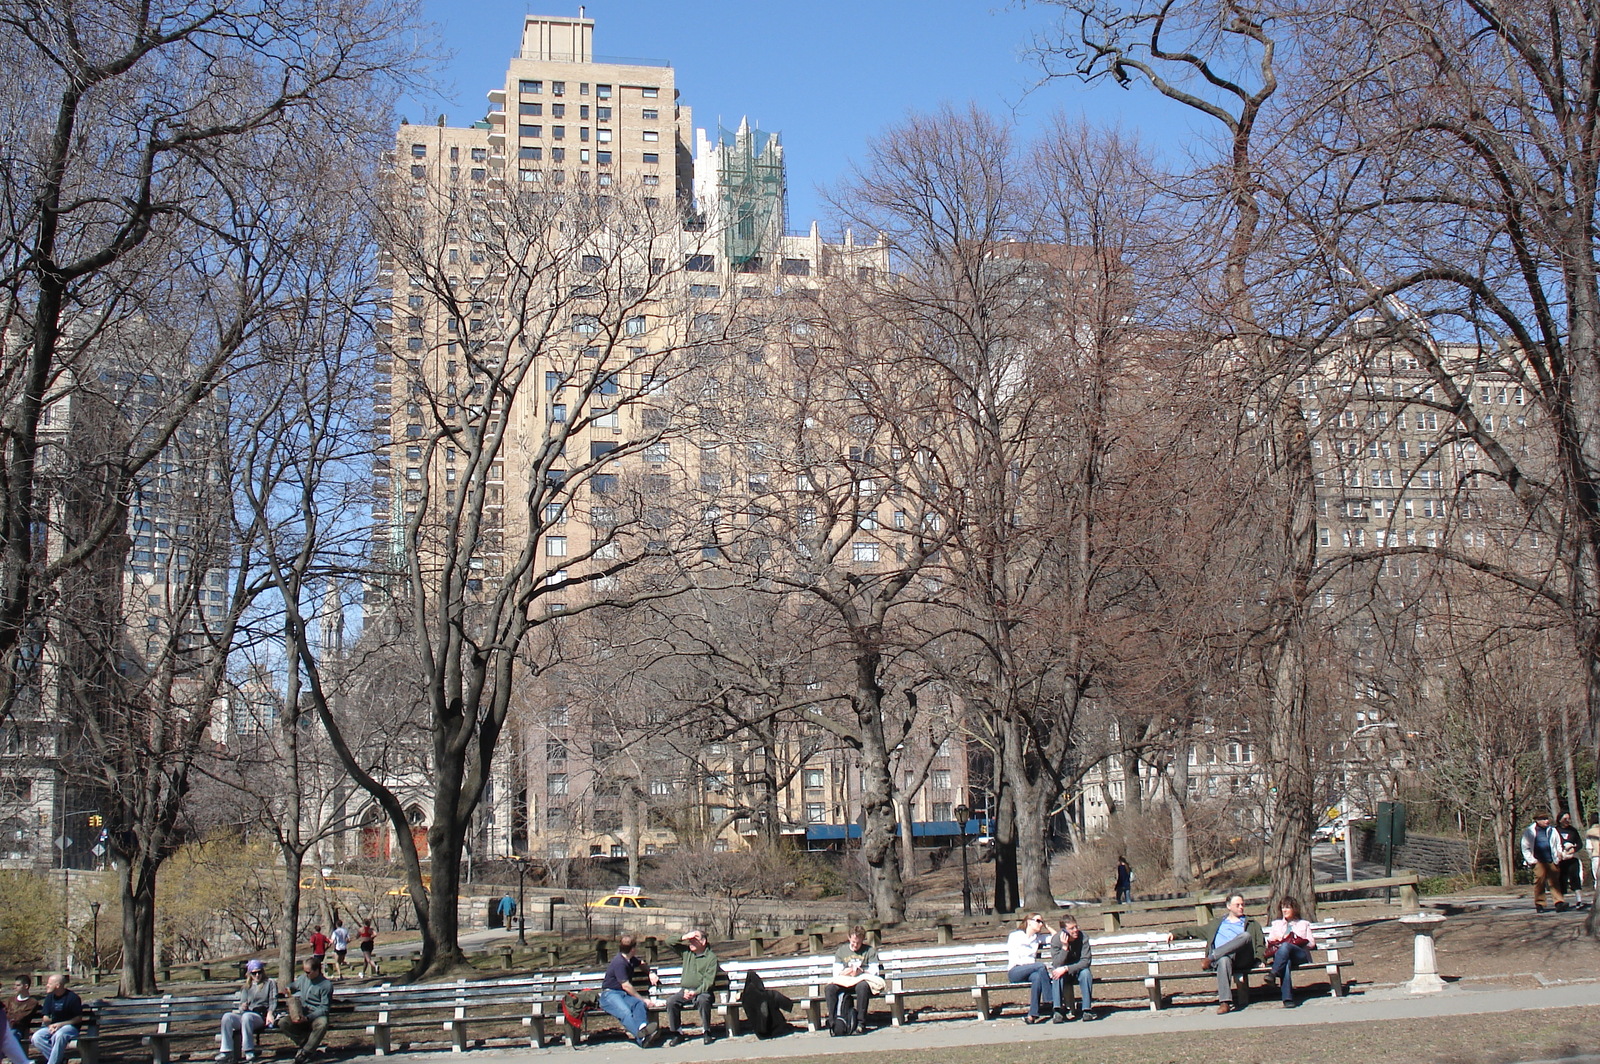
[366, 938]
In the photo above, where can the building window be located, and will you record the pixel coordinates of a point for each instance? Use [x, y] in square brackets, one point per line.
[942, 811]
[556, 783]
[530, 131]
[558, 88]
[533, 88]
[660, 788]
[700, 263]
[864, 552]
[813, 778]
[651, 158]
[649, 92]
[555, 750]
[941, 779]
[555, 546]
[651, 136]
[816, 813]
[796, 267]
[419, 151]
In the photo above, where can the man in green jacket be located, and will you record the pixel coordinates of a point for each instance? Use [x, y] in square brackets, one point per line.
[1233, 942]
[702, 974]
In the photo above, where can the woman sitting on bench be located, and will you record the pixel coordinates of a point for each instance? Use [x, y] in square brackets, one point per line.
[1289, 942]
[1024, 948]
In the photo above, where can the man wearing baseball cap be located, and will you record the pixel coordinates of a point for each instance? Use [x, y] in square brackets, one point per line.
[702, 977]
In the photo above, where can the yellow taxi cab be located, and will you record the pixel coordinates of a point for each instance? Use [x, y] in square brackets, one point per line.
[627, 899]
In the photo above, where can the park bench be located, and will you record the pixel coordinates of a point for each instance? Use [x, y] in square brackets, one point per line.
[453, 1008]
[167, 1017]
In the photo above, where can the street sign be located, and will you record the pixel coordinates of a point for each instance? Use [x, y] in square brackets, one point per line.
[63, 842]
[98, 851]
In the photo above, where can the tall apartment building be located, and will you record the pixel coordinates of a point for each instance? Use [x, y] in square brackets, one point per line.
[567, 274]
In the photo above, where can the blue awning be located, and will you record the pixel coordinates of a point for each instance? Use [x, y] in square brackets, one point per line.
[920, 829]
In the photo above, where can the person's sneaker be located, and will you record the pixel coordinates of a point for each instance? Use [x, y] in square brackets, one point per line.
[707, 1038]
[1060, 1017]
[1292, 1003]
[1561, 906]
[675, 1039]
[1088, 1014]
[223, 1054]
[647, 1035]
[1538, 908]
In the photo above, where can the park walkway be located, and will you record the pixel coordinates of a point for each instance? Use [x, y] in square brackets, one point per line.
[1372, 1005]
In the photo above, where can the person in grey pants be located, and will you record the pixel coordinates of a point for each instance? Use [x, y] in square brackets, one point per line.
[1233, 942]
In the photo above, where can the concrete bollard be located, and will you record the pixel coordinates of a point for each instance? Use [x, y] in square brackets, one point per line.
[814, 940]
[1424, 960]
[757, 945]
[946, 932]
[601, 954]
[552, 957]
[505, 958]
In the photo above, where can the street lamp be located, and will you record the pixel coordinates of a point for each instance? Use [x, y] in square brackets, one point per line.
[962, 812]
[522, 911]
[94, 909]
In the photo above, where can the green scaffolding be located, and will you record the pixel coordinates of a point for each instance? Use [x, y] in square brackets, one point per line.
[750, 185]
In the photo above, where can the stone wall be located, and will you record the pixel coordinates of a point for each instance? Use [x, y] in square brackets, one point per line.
[1428, 855]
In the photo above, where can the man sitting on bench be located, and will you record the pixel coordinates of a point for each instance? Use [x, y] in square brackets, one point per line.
[1233, 942]
[1070, 957]
[855, 977]
[702, 973]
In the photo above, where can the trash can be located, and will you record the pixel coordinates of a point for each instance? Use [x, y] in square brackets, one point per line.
[495, 920]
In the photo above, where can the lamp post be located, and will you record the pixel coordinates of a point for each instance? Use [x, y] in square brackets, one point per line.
[522, 912]
[94, 910]
[962, 812]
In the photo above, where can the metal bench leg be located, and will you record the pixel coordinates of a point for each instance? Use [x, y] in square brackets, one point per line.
[89, 1049]
[535, 1025]
[980, 998]
[1336, 979]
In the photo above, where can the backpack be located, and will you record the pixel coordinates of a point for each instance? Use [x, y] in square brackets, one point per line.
[839, 1026]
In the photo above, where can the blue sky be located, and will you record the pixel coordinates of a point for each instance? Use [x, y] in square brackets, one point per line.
[830, 75]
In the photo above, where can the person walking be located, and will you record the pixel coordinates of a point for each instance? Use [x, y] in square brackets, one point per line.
[1070, 959]
[1233, 941]
[507, 908]
[1024, 947]
[367, 939]
[1289, 942]
[1570, 865]
[1591, 842]
[1541, 849]
[255, 1010]
[59, 1013]
[1124, 887]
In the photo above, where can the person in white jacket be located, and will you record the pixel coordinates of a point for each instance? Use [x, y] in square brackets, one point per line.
[1541, 849]
[1025, 953]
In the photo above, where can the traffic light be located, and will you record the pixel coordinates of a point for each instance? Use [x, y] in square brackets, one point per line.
[96, 820]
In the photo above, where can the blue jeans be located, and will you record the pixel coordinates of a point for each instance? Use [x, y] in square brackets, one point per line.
[53, 1047]
[626, 1008]
[1085, 980]
[1040, 986]
[1284, 959]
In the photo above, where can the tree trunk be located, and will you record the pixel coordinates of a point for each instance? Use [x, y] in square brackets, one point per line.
[289, 925]
[1552, 792]
[1291, 804]
[138, 883]
[1005, 848]
[441, 945]
[908, 850]
[1570, 769]
[1178, 796]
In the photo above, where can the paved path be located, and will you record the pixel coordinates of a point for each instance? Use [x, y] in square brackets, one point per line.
[1373, 1005]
